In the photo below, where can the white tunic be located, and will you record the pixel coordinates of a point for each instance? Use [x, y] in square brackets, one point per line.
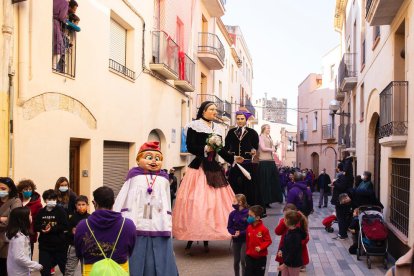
[151, 213]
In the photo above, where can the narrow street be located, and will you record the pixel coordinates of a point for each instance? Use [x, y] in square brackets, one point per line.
[328, 256]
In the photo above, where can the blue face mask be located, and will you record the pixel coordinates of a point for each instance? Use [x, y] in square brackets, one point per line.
[250, 219]
[4, 193]
[27, 194]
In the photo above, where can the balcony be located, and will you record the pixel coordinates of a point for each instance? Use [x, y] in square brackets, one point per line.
[393, 129]
[250, 107]
[215, 7]
[227, 110]
[344, 137]
[64, 53]
[339, 95]
[381, 12]
[216, 100]
[347, 72]
[328, 132]
[187, 73]
[211, 51]
[303, 136]
[121, 69]
[164, 55]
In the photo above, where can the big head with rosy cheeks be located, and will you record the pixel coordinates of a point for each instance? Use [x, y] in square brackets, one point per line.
[150, 160]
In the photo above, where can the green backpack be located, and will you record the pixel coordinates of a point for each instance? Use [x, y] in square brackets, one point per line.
[107, 266]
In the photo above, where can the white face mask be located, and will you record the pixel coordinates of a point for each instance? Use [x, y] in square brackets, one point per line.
[63, 189]
[3, 194]
[51, 203]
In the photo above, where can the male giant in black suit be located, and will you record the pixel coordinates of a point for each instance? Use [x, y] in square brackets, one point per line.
[243, 141]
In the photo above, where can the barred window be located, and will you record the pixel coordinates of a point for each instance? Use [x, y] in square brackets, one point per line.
[400, 194]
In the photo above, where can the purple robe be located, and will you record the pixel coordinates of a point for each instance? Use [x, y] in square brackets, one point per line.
[60, 13]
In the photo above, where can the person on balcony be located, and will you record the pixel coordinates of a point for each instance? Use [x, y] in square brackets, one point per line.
[243, 141]
[60, 13]
[204, 198]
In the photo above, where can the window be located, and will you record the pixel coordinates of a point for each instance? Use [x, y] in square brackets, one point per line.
[376, 35]
[118, 50]
[232, 73]
[361, 102]
[64, 46]
[400, 194]
[315, 121]
[220, 90]
[363, 53]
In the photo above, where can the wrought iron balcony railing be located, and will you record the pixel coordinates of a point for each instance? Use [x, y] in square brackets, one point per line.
[64, 51]
[164, 50]
[368, 6]
[227, 109]
[328, 132]
[187, 68]
[303, 135]
[394, 110]
[344, 138]
[210, 43]
[216, 100]
[347, 69]
[121, 69]
[250, 107]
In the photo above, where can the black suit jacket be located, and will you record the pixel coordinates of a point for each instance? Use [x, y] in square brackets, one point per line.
[243, 145]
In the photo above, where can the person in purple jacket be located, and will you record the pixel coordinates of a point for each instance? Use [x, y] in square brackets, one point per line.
[105, 224]
[301, 195]
[237, 226]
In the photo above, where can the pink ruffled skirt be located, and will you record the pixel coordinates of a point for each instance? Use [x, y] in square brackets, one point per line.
[200, 211]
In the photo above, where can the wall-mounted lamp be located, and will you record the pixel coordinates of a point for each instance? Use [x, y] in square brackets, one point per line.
[334, 106]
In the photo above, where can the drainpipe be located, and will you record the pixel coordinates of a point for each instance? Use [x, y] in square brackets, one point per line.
[6, 58]
[131, 7]
[24, 28]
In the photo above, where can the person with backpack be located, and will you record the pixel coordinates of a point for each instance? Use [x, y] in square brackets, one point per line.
[105, 240]
[300, 195]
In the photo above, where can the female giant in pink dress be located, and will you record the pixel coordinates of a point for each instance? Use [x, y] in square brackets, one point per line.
[204, 198]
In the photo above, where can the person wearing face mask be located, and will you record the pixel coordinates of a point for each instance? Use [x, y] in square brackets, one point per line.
[257, 241]
[80, 214]
[237, 225]
[66, 197]
[324, 180]
[51, 222]
[8, 201]
[31, 199]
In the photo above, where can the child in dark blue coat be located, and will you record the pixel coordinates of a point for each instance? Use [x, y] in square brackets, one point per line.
[237, 226]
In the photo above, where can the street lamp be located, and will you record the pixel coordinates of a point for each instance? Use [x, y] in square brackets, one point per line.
[334, 106]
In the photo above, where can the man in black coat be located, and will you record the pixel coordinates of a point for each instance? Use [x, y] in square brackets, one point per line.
[342, 210]
[324, 181]
[243, 141]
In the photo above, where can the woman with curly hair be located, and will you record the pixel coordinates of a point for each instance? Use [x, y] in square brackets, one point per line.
[32, 200]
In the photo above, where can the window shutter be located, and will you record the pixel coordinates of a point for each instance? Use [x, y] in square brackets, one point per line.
[115, 165]
[118, 43]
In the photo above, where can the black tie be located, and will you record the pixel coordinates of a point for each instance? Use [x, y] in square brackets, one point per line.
[239, 132]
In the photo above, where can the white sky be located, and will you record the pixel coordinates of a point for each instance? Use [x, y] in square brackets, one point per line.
[287, 39]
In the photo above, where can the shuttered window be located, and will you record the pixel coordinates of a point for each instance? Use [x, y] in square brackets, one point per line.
[115, 164]
[118, 43]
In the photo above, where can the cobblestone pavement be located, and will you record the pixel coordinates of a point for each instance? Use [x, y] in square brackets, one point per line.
[327, 256]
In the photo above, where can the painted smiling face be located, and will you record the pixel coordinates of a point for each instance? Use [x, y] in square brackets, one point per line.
[150, 160]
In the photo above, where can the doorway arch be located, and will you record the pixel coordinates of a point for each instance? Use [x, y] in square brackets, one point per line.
[374, 152]
[315, 162]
